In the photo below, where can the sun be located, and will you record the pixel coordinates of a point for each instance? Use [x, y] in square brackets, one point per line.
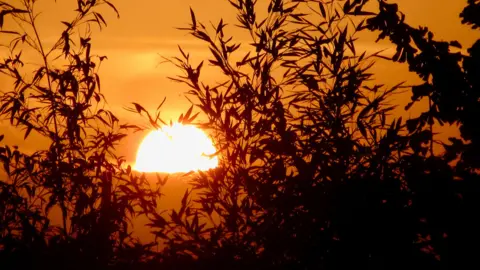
[176, 148]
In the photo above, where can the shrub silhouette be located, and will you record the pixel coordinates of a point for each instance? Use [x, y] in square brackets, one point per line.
[79, 172]
[315, 173]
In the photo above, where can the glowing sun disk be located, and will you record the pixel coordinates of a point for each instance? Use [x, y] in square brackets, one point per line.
[176, 148]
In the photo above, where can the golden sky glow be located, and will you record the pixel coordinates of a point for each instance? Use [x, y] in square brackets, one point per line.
[146, 29]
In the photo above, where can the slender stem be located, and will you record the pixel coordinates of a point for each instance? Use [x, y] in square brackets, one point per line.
[53, 102]
[431, 125]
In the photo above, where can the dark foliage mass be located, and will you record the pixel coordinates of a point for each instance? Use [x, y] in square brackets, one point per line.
[316, 171]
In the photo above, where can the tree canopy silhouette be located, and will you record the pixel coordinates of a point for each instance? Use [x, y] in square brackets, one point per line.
[316, 170]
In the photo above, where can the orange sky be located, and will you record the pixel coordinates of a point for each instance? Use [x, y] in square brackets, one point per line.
[146, 28]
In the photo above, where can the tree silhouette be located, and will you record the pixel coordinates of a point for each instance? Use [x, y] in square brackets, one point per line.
[316, 172]
[446, 193]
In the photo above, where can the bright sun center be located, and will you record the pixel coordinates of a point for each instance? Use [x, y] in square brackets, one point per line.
[176, 148]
